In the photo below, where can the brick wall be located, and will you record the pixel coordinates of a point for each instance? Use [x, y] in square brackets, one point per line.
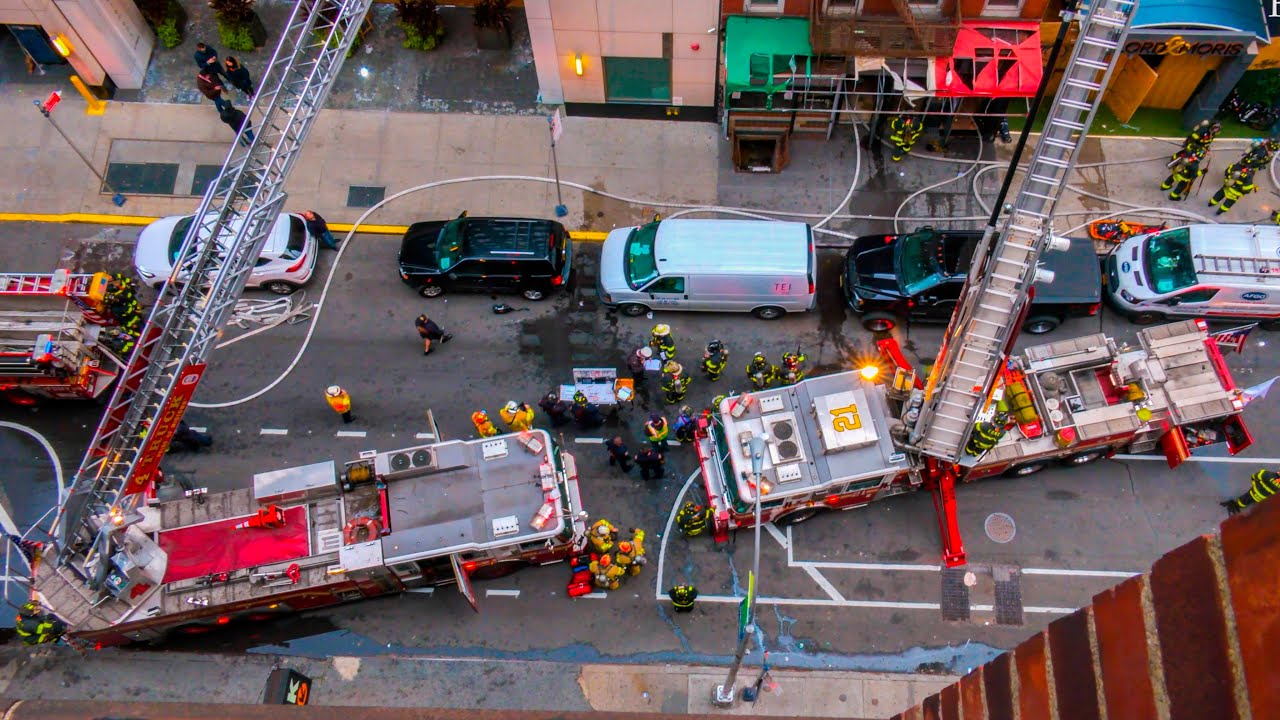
[1196, 638]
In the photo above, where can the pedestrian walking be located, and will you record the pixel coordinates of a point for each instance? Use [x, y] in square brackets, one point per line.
[319, 229]
[237, 121]
[1236, 185]
[683, 597]
[207, 59]
[904, 131]
[1265, 483]
[208, 85]
[618, 454]
[429, 331]
[238, 76]
[555, 408]
[483, 424]
[656, 430]
[517, 415]
[651, 464]
[340, 401]
[692, 519]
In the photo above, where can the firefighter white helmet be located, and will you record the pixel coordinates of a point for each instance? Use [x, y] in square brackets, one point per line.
[646, 352]
[512, 406]
[333, 391]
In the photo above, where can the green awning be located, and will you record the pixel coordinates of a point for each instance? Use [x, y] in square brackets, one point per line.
[756, 48]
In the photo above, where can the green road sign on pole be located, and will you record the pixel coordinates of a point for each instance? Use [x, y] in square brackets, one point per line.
[744, 607]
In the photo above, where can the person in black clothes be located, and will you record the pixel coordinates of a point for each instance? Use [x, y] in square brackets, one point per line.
[428, 330]
[238, 75]
[319, 229]
[651, 464]
[235, 119]
[555, 408]
[618, 454]
[207, 59]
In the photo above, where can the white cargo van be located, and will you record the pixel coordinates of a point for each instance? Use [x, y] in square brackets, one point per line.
[1227, 272]
[758, 266]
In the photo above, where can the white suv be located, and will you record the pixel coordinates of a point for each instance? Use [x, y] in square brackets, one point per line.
[287, 261]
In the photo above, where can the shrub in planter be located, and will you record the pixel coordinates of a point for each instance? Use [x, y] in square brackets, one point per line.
[493, 24]
[329, 13]
[420, 19]
[167, 19]
[239, 26]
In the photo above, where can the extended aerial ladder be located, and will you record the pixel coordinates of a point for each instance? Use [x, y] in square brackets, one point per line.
[218, 254]
[998, 291]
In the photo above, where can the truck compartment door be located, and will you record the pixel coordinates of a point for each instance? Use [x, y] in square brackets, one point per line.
[1175, 447]
[464, 582]
[1238, 436]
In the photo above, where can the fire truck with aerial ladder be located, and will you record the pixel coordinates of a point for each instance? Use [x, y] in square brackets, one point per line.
[841, 441]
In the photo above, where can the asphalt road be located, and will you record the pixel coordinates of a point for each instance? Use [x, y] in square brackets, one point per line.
[860, 589]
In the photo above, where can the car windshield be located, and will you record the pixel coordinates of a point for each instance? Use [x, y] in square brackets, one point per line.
[1168, 261]
[449, 247]
[642, 266]
[917, 264]
[179, 234]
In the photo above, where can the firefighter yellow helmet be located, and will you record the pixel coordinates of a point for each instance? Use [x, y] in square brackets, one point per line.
[673, 367]
[662, 330]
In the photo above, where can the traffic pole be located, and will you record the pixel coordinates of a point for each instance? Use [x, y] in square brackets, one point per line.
[723, 695]
[45, 109]
[552, 122]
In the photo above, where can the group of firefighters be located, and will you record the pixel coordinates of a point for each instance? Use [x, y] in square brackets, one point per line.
[121, 306]
[715, 358]
[613, 560]
[1191, 162]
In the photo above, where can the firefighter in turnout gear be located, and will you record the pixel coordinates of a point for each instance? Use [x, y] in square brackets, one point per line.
[36, 627]
[483, 424]
[606, 574]
[674, 383]
[987, 434]
[682, 597]
[904, 131]
[1265, 484]
[662, 342]
[517, 416]
[1185, 171]
[714, 359]
[637, 549]
[601, 536]
[1200, 138]
[792, 367]
[1236, 185]
[692, 519]
[761, 372]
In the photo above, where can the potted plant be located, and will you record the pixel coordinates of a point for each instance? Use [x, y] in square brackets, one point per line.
[420, 19]
[330, 13]
[493, 24]
[167, 19]
[239, 26]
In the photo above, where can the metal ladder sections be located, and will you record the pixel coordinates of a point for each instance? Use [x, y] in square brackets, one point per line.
[1236, 265]
[984, 326]
[56, 283]
[218, 254]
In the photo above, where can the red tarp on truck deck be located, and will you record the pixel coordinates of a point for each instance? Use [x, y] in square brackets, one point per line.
[214, 547]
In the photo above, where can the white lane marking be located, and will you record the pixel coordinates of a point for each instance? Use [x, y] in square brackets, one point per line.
[589, 441]
[350, 433]
[823, 583]
[595, 595]
[832, 565]
[14, 578]
[1049, 610]
[199, 429]
[501, 593]
[1193, 458]
[273, 431]
[777, 535]
[666, 533]
[425, 436]
[1081, 573]
[884, 604]
[423, 590]
[48, 448]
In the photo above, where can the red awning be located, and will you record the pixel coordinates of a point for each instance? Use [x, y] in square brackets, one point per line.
[992, 59]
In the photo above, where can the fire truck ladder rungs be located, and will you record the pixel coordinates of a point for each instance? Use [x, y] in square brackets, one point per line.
[219, 252]
[57, 283]
[1235, 265]
[1004, 267]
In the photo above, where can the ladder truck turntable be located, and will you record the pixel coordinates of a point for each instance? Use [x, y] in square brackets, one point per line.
[841, 441]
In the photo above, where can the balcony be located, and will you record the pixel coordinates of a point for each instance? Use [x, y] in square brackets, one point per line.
[909, 33]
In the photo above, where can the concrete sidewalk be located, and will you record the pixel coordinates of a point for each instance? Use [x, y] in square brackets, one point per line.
[482, 684]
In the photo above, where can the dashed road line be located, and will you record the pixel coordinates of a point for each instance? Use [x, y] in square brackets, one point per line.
[425, 436]
[1080, 573]
[1193, 458]
[200, 429]
[595, 595]
[422, 590]
[589, 441]
[874, 604]
[351, 433]
[501, 593]
[273, 431]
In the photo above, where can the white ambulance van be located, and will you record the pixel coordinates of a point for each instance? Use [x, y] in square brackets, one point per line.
[1216, 272]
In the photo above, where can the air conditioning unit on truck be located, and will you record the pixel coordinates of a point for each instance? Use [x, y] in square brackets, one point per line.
[317, 535]
[840, 441]
[54, 332]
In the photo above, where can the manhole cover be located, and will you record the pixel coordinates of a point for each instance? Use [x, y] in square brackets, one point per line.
[1000, 527]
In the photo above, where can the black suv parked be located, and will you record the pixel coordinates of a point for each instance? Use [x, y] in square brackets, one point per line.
[919, 276]
[510, 255]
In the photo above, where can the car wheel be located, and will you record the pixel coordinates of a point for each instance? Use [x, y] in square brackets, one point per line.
[533, 294]
[797, 517]
[633, 310]
[879, 322]
[1025, 470]
[769, 312]
[430, 291]
[1146, 318]
[1084, 458]
[497, 570]
[280, 287]
[1041, 324]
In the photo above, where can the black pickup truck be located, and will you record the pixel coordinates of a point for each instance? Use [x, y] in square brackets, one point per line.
[919, 276]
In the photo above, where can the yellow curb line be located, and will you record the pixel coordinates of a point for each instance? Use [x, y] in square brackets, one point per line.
[588, 235]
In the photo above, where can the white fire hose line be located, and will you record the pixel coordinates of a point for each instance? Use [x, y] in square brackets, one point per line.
[6, 521]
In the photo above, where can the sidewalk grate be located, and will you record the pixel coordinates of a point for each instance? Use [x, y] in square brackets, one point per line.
[1008, 594]
[142, 178]
[955, 594]
[204, 175]
[364, 196]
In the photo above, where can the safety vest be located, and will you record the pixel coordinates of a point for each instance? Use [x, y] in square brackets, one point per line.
[341, 403]
[657, 432]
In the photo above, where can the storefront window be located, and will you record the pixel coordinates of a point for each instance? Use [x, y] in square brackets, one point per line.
[637, 80]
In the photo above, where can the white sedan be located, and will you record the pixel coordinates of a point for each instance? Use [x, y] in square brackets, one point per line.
[287, 261]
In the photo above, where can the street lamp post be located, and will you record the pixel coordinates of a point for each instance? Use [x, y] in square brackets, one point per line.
[723, 695]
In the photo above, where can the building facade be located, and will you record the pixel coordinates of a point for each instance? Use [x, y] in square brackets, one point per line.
[106, 42]
[626, 58]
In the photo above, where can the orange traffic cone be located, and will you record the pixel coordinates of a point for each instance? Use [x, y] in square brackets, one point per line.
[270, 516]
